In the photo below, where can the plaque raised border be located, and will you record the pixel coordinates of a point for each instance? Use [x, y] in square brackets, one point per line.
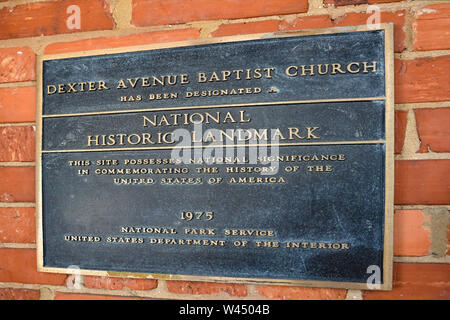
[389, 159]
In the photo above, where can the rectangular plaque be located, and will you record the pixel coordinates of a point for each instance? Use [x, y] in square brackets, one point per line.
[262, 158]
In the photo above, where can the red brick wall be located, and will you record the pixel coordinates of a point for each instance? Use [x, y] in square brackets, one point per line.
[422, 130]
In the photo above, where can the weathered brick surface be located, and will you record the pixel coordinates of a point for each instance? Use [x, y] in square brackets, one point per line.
[17, 143]
[398, 18]
[198, 287]
[19, 265]
[422, 182]
[431, 27]
[81, 296]
[383, 1]
[433, 129]
[17, 184]
[17, 64]
[17, 225]
[19, 294]
[421, 80]
[17, 104]
[309, 22]
[119, 283]
[162, 12]
[320, 21]
[416, 281]
[246, 28]
[52, 17]
[338, 3]
[301, 293]
[123, 41]
[400, 130]
[411, 233]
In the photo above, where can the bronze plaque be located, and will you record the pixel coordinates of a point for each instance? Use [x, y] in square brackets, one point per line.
[262, 158]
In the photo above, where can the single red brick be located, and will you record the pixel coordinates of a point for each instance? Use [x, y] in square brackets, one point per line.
[20, 265]
[431, 28]
[162, 12]
[121, 41]
[309, 22]
[397, 17]
[119, 283]
[301, 293]
[422, 182]
[17, 143]
[197, 287]
[82, 296]
[17, 104]
[416, 281]
[434, 129]
[17, 225]
[411, 236]
[54, 17]
[338, 3]
[17, 184]
[400, 130]
[19, 294]
[422, 80]
[17, 64]
[246, 28]
[382, 1]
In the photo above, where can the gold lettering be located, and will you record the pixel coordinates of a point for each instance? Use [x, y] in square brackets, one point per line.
[288, 71]
[373, 66]
[310, 70]
[51, 89]
[310, 133]
[336, 66]
[349, 67]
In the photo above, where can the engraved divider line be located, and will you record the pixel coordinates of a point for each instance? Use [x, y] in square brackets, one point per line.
[222, 146]
[212, 106]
